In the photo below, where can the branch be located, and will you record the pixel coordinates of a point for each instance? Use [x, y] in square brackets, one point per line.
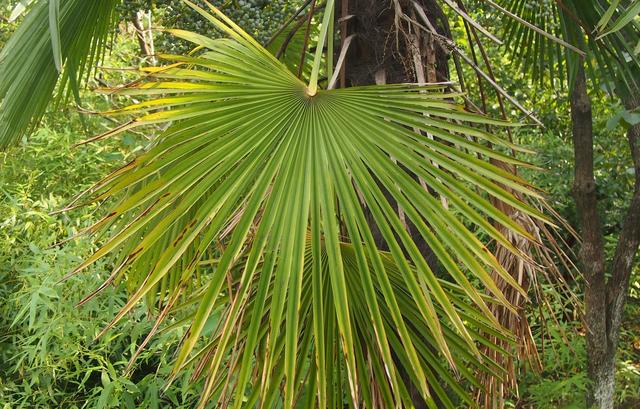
[449, 45]
[289, 36]
[341, 59]
[303, 55]
[628, 243]
[294, 30]
[286, 24]
[538, 29]
[344, 33]
[140, 34]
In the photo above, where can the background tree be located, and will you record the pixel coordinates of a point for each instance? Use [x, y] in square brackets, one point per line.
[613, 62]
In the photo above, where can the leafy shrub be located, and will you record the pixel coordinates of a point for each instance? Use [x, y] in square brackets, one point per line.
[48, 355]
[563, 382]
[260, 18]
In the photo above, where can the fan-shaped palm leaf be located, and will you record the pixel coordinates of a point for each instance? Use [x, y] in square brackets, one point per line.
[613, 53]
[275, 175]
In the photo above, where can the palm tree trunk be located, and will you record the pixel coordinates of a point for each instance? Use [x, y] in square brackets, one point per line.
[386, 50]
[391, 50]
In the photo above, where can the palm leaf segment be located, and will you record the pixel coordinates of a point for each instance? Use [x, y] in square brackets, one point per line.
[615, 51]
[57, 45]
[277, 182]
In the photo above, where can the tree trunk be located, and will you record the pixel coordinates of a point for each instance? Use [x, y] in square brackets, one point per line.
[144, 35]
[381, 45]
[629, 241]
[604, 299]
[592, 251]
[382, 52]
[387, 50]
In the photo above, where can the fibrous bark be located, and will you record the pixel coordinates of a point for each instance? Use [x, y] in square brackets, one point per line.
[384, 41]
[389, 49]
[383, 51]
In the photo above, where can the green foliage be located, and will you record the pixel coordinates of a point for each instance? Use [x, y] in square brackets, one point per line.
[612, 60]
[60, 49]
[6, 28]
[563, 382]
[606, 26]
[260, 18]
[48, 356]
[27, 60]
[613, 169]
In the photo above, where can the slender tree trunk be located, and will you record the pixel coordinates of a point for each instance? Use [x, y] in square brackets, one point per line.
[604, 299]
[144, 35]
[592, 252]
[629, 241]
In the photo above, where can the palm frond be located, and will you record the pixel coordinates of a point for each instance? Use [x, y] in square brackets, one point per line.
[251, 208]
[58, 42]
[577, 24]
[607, 25]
